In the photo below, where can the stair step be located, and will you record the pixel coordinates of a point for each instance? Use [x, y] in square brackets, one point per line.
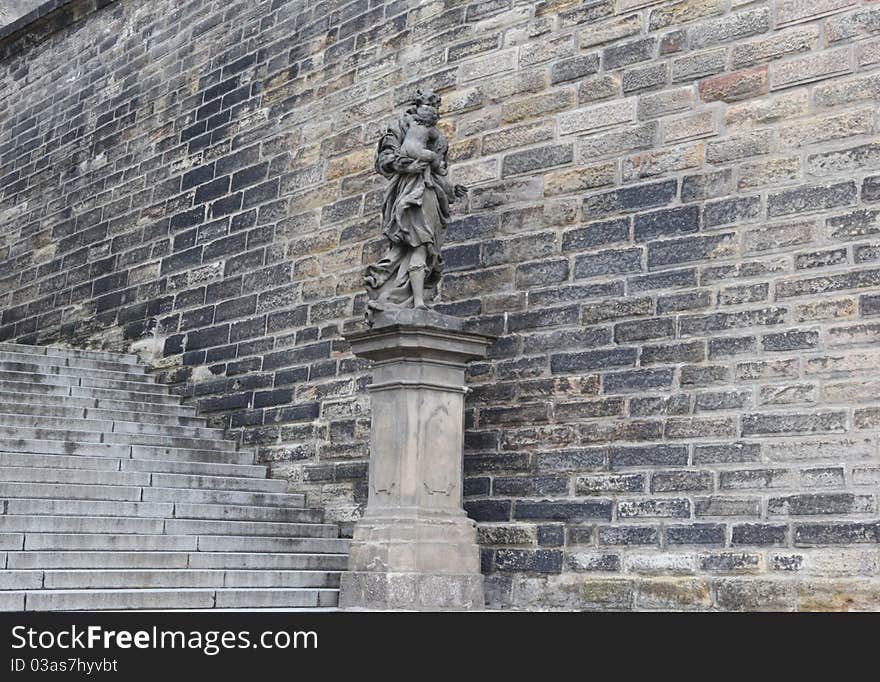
[87, 477]
[11, 540]
[19, 459]
[119, 451]
[94, 408]
[81, 378]
[10, 474]
[79, 559]
[24, 459]
[80, 422]
[84, 492]
[247, 513]
[81, 435]
[117, 525]
[167, 578]
[109, 542]
[196, 598]
[45, 366]
[297, 530]
[233, 497]
[71, 492]
[8, 356]
[68, 507]
[70, 353]
[198, 468]
[175, 560]
[58, 391]
[20, 580]
[272, 545]
[249, 561]
[261, 485]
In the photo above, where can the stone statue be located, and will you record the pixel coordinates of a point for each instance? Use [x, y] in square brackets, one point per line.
[412, 155]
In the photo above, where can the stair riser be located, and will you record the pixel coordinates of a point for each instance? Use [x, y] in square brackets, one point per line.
[70, 353]
[147, 386]
[172, 560]
[61, 391]
[73, 476]
[31, 446]
[274, 545]
[72, 580]
[81, 524]
[110, 543]
[242, 561]
[185, 496]
[136, 478]
[147, 510]
[294, 530]
[35, 420]
[76, 408]
[61, 462]
[233, 513]
[83, 436]
[178, 599]
[75, 363]
[54, 368]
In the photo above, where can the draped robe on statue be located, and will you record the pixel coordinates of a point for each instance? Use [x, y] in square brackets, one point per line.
[415, 212]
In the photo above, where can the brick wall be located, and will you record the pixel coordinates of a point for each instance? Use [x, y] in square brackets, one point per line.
[673, 228]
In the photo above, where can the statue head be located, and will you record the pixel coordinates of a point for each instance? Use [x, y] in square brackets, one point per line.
[426, 98]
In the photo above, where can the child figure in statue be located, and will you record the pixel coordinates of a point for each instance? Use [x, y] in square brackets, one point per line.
[421, 134]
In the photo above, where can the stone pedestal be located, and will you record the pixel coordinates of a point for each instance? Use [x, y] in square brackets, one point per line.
[415, 548]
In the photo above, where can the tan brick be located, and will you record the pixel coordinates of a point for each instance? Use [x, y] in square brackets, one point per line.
[868, 53]
[518, 136]
[853, 25]
[849, 90]
[810, 68]
[474, 173]
[833, 309]
[689, 126]
[665, 102]
[538, 105]
[768, 110]
[699, 64]
[768, 172]
[579, 179]
[552, 47]
[793, 11]
[673, 594]
[599, 87]
[774, 237]
[597, 117]
[662, 161]
[740, 146]
[829, 127]
[490, 65]
[612, 29]
[839, 595]
[683, 11]
[782, 44]
[349, 164]
[732, 87]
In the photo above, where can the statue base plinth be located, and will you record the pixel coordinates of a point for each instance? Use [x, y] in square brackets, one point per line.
[414, 548]
[413, 564]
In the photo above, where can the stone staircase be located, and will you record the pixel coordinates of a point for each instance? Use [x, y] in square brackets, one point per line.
[114, 495]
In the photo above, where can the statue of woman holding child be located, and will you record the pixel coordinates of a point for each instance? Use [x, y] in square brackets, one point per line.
[412, 156]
